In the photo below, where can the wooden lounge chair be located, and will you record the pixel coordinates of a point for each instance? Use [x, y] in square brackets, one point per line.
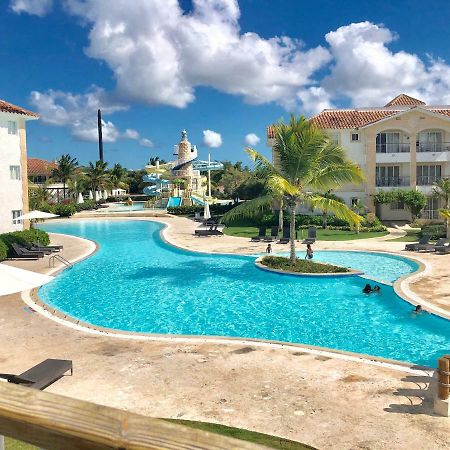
[424, 240]
[42, 375]
[312, 234]
[286, 236]
[261, 234]
[22, 253]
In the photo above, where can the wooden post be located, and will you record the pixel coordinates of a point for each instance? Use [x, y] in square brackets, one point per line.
[444, 377]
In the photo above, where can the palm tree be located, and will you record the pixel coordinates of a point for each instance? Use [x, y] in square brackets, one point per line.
[117, 176]
[66, 166]
[441, 189]
[445, 213]
[309, 162]
[96, 175]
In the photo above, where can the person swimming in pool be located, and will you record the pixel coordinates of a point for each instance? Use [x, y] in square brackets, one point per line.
[309, 252]
[367, 289]
[377, 289]
[269, 248]
[418, 309]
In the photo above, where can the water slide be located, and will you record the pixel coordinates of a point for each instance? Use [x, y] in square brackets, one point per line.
[197, 200]
[174, 201]
[158, 183]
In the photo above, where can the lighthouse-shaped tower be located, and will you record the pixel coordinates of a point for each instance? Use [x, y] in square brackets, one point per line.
[186, 153]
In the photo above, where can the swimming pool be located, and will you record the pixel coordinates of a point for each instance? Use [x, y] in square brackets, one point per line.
[137, 282]
[122, 207]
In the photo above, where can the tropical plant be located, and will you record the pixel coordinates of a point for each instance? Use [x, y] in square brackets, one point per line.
[325, 211]
[118, 177]
[309, 162]
[97, 176]
[153, 159]
[66, 166]
[441, 189]
[38, 196]
[414, 200]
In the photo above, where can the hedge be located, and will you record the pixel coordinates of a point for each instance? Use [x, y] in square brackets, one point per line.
[25, 237]
[434, 231]
[3, 251]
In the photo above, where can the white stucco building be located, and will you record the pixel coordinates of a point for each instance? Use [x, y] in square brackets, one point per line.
[13, 165]
[402, 145]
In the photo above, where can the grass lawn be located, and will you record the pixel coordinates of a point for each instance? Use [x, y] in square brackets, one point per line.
[11, 444]
[410, 236]
[322, 235]
[245, 435]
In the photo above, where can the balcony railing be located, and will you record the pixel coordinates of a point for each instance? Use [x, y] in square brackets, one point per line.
[392, 181]
[429, 214]
[434, 147]
[427, 180]
[398, 147]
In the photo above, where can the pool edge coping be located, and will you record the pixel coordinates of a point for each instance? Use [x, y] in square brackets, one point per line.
[32, 300]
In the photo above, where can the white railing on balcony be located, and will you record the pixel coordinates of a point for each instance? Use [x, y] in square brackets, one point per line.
[392, 181]
[427, 180]
[433, 147]
[397, 147]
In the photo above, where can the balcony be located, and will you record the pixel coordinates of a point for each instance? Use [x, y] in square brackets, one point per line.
[397, 147]
[433, 147]
[392, 181]
[427, 180]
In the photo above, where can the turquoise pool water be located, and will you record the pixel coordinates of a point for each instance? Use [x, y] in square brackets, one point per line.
[121, 207]
[136, 282]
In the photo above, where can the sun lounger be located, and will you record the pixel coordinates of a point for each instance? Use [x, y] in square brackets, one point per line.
[42, 375]
[211, 231]
[261, 234]
[286, 236]
[53, 247]
[312, 234]
[444, 248]
[42, 249]
[21, 252]
[424, 240]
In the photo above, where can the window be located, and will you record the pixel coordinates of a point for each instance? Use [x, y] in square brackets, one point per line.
[389, 142]
[12, 127]
[354, 137]
[389, 176]
[14, 172]
[354, 201]
[335, 138]
[15, 214]
[430, 141]
[428, 174]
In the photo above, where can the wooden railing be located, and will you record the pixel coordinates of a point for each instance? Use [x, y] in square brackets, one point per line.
[53, 422]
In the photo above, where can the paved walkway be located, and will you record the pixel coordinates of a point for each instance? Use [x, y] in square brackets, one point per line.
[327, 402]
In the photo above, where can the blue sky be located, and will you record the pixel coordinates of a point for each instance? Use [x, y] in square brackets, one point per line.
[220, 65]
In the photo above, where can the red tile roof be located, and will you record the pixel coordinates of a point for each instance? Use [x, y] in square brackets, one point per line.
[13, 109]
[37, 166]
[404, 100]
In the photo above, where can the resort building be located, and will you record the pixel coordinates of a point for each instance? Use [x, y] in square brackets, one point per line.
[402, 145]
[13, 166]
[40, 174]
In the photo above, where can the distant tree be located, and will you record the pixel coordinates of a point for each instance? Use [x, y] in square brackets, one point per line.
[135, 181]
[37, 197]
[118, 177]
[96, 175]
[66, 166]
[153, 159]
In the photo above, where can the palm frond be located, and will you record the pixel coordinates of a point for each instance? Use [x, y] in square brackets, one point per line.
[249, 208]
[336, 175]
[445, 213]
[279, 186]
[340, 210]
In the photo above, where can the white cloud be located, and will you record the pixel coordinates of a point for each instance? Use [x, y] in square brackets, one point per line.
[212, 139]
[159, 54]
[35, 7]
[367, 72]
[87, 131]
[130, 134]
[251, 139]
[144, 142]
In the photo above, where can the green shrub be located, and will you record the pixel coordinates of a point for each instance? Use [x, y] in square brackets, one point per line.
[434, 231]
[25, 237]
[184, 210]
[3, 251]
[301, 265]
[64, 210]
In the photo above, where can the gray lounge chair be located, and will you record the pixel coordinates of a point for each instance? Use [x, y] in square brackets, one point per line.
[444, 248]
[211, 231]
[424, 240]
[21, 252]
[261, 234]
[273, 234]
[312, 234]
[286, 236]
[42, 375]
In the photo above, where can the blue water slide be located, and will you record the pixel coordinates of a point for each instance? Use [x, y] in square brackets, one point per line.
[197, 201]
[158, 184]
[207, 165]
[174, 201]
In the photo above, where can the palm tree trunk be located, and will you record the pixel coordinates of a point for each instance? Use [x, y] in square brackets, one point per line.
[292, 236]
[280, 218]
[64, 189]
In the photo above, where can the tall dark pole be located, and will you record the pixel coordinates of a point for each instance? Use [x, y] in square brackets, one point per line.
[100, 136]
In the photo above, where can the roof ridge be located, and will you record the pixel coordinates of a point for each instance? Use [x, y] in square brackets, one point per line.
[14, 109]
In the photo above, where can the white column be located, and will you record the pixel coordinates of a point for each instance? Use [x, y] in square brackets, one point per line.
[209, 175]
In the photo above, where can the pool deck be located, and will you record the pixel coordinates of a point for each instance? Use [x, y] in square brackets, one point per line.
[326, 401]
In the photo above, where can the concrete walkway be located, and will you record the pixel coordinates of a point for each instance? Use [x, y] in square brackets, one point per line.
[324, 401]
